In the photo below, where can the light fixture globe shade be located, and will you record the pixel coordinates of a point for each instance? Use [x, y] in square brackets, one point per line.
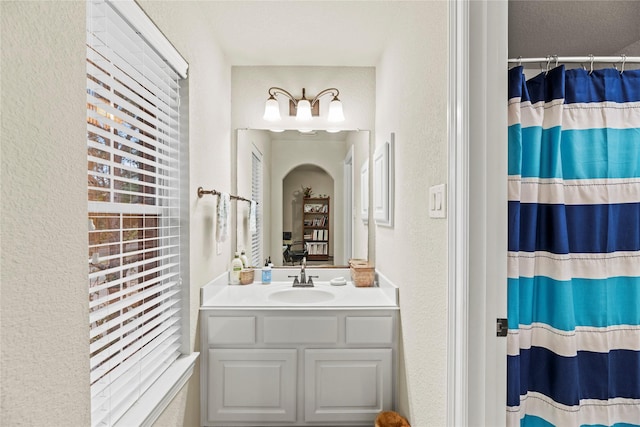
[303, 110]
[271, 110]
[335, 111]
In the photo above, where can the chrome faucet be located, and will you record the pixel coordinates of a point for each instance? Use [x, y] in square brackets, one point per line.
[303, 276]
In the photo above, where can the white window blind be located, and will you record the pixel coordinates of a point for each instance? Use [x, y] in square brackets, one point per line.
[133, 159]
[256, 195]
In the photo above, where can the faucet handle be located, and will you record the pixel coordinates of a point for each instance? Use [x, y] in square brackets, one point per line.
[295, 280]
[310, 281]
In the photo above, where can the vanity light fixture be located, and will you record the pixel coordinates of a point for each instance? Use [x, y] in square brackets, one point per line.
[303, 108]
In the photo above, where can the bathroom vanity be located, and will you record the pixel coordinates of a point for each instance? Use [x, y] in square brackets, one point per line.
[275, 355]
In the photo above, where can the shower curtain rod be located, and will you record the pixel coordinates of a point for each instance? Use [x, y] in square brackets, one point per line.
[578, 59]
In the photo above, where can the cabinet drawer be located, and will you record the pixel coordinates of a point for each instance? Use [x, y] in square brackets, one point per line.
[301, 329]
[231, 330]
[369, 330]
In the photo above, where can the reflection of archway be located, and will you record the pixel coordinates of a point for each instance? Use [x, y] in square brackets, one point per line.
[305, 175]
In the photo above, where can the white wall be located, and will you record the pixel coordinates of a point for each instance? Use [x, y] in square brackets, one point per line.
[44, 306]
[411, 100]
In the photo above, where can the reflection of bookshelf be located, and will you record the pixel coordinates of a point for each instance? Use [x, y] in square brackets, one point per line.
[315, 227]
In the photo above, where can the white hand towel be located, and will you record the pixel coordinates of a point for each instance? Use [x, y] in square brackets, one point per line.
[253, 222]
[224, 204]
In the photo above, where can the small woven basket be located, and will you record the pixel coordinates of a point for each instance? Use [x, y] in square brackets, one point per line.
[246, 276]
[362, 273]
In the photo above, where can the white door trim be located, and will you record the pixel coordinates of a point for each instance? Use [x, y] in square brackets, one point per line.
[457, 206]
[477, 183]
[348, 208]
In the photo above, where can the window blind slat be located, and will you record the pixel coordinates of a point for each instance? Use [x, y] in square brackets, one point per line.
[103, 327]
[95, 316]
[114, 394]
[128, 74]
[123, 349]
[106, 259]
[97, 83]
[131, 125]
[159, 243]
[109, 374]
[133, 136]
[124, 322]
[113, 378]
[256, 195]
[103, 120]
[118, 404]
[129, 52]
[116, 138]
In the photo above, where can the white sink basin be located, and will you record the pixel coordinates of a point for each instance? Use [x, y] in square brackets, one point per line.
[301, 296]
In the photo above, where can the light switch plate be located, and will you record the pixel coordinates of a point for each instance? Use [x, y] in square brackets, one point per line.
[437, 201]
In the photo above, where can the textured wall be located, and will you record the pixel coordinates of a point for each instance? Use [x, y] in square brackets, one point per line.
[411, 100]
[44, 305]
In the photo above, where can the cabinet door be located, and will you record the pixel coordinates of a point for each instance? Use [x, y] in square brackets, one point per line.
[347, 385]
[248, 385]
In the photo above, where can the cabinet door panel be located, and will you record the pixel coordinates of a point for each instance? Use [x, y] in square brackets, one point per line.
[347, 385]
[252, 385]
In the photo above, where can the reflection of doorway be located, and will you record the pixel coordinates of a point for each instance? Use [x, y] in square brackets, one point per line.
[348, 206]
[321, 183]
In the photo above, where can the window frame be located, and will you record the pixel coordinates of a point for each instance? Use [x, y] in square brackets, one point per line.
[154, 400]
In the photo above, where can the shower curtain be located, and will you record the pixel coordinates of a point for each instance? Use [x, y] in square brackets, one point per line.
[574, 248]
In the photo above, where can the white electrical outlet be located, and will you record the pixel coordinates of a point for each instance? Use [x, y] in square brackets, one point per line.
[437, 201]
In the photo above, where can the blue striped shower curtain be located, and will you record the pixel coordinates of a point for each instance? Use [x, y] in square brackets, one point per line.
[574, 249]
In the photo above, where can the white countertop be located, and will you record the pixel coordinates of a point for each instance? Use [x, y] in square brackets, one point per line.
[278, 294]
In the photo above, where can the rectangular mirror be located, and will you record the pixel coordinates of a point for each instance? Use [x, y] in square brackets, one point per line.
[275, 169]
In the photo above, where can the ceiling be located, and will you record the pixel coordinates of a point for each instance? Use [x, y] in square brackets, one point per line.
[574, 28]
[355, 33]
[327, 33]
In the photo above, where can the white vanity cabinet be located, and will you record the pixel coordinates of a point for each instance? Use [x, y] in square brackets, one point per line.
[297, 367]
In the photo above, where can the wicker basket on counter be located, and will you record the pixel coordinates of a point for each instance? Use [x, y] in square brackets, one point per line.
[246, 276]
[362, 273]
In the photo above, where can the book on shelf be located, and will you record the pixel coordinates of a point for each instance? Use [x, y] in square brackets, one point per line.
[318, 249]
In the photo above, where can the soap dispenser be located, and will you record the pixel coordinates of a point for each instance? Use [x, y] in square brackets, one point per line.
[266, 272]
[244, 259]
[236, 268]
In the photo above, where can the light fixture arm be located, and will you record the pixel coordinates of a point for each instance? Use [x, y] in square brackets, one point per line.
[273, 91]
[332, 90]
[303, 108]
